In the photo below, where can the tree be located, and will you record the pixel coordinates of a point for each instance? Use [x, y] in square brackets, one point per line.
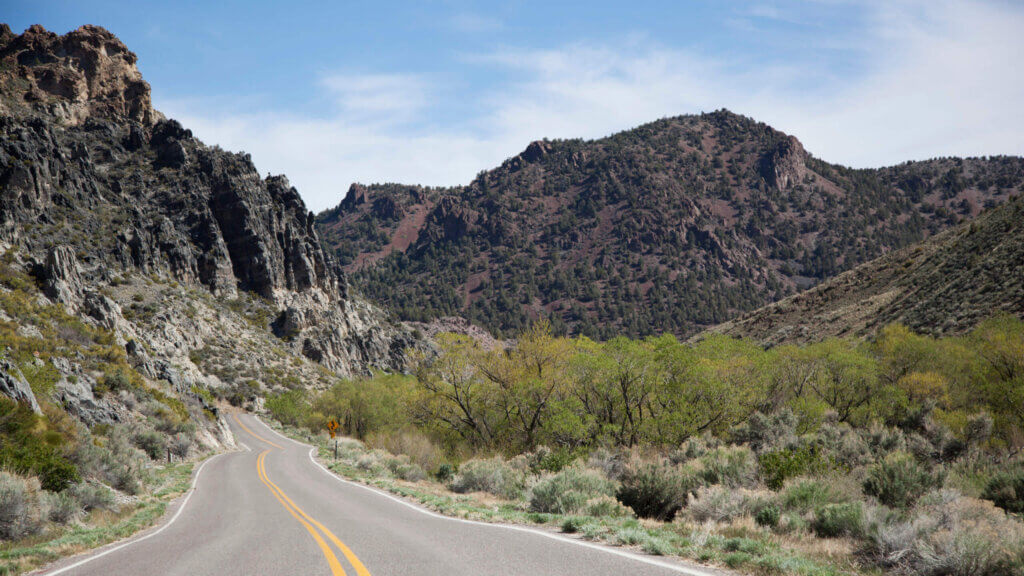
[529, 380]
[456, 398]
[844, 377]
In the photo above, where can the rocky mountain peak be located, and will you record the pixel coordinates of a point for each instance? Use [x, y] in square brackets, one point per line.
[85, 162]
[85, 73]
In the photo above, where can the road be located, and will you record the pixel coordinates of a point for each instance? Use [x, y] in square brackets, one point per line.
[269, 509]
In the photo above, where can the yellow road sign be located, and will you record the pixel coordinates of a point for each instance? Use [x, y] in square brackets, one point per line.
[332, 427]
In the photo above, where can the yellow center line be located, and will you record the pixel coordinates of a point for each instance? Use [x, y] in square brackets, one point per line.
[352, 558]
[255, 435]
[301, 515]
[332, 560]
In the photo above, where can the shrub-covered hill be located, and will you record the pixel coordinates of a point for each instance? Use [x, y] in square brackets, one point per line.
[678, 224]
[944, 285]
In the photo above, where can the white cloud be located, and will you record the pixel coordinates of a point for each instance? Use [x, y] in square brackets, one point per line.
[940, 78]
[398, 96]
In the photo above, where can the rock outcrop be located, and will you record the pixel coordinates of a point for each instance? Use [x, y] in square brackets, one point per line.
[88, 165]
[783, 165]
[14, 386]
[63, 282]
[84, 73]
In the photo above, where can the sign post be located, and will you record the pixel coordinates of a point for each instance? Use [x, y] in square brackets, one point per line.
[332, 427]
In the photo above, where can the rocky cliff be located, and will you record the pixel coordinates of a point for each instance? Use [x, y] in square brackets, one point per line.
[129, 222]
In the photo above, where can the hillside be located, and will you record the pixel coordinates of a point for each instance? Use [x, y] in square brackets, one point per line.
[679, 224]
[942, 286]
[145, 276]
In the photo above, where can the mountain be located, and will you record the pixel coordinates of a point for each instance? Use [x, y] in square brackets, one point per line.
[676, 225]
[942, 286]
[120, 229]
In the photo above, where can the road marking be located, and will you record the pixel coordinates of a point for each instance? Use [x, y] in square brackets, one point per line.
[607, 549]
[332, 560]
[255, 435]
[181, 509]
[352, 558]
[287, 502]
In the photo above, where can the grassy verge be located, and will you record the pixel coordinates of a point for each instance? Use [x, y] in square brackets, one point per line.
[101, 527]
[744, 548]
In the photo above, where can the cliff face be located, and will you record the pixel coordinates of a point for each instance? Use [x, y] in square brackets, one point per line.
[87, 164]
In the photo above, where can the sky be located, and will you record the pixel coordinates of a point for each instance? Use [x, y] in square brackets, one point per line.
[432, 92]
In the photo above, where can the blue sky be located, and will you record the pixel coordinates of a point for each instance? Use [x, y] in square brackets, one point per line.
[433, 92]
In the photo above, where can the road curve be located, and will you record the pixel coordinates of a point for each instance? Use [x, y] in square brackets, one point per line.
[271, 510]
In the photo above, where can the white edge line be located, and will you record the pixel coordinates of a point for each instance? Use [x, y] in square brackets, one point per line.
[560, 538]
[191, 491]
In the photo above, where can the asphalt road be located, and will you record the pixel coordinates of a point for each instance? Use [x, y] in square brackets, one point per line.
[269, 510]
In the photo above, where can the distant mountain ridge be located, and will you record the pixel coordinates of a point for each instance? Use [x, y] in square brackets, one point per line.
[942, 286]
[674, 226]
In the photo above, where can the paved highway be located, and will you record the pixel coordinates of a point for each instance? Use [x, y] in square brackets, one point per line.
[271, 510]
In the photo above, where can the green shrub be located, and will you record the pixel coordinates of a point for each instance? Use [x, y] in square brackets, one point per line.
[1006, 490]
[492, 475]
[573, 524]
[29, 446]
[568, 491]
[56, 473]
[835, 520]
[151, 442]
[737, 559]
[657, 546]
[768, 516]
[606, 506]
[742, 545]
[655, 490]
[899, 480]
[446, 471]
[115, 381]
[631, 535]
[781, 465]
[543, 459]
[805, 494]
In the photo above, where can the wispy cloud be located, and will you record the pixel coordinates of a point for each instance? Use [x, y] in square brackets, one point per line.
[399, 96]
[935, 79]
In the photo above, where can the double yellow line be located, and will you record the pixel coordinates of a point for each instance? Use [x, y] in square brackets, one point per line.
[305, 519]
